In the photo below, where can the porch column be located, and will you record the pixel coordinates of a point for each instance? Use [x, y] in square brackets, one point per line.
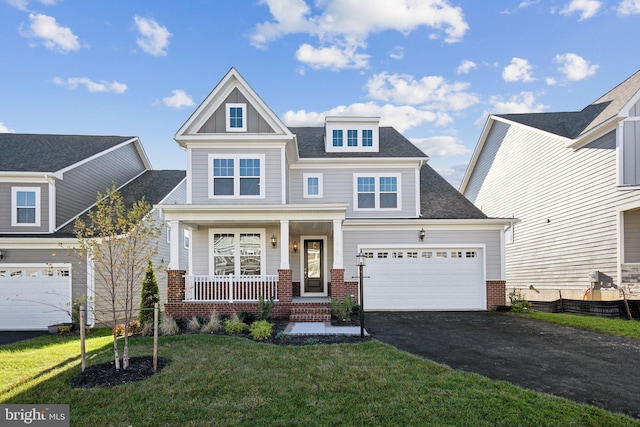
[174, 245]
[337, 244]
[284, 244]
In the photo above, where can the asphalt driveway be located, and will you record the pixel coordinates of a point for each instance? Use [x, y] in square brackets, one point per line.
[585, 367]
[8, 337]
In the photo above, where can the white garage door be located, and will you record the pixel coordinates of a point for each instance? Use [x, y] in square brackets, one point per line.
[424, 279]
[32, 297]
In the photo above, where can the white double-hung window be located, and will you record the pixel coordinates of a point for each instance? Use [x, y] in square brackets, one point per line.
[376, 191]
[25, 206]
[236, 175]
[312, 185]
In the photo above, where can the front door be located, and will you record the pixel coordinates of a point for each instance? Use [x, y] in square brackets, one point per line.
[313, 266]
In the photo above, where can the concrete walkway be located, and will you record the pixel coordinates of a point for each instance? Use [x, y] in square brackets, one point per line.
[321, 328]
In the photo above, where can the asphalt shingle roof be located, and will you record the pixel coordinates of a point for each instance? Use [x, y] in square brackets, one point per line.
[440, 200]
[391, 144]
[50, 153]
[576, 123]
[153, 185]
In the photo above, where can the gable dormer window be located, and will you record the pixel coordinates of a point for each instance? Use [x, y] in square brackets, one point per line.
[345, 134]
[236, 117]
[337, 137]
[25, 206]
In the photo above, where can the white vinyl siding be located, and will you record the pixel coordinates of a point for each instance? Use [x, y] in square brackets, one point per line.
[565, 200]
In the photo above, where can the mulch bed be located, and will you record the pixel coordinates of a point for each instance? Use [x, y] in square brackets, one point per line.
[141, 367]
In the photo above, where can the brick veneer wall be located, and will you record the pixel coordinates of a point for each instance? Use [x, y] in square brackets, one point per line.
[496, 290]
[176, 307]
[338, 289]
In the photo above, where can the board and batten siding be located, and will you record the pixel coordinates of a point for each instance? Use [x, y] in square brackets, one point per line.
[217, 122]
[338, 187]
[632, 236]
[6, 206]
[353, 236]
[566, 200]
[200, 176]
[80, 186]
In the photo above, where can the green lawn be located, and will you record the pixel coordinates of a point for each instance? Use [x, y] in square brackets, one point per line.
[621, 327]
[220, 380]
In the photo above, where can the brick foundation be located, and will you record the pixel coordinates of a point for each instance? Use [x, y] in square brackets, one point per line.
[496, 294]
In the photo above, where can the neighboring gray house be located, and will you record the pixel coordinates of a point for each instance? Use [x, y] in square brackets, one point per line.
[572, 179]
[46, 181]
[282, 212]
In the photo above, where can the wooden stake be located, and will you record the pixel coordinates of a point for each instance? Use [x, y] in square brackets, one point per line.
[83, 353]
[155, 337]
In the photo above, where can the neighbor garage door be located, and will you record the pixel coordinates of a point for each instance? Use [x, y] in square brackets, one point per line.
[33, 297]
[424, 279]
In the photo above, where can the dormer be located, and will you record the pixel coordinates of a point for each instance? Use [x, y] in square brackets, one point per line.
[344, 134]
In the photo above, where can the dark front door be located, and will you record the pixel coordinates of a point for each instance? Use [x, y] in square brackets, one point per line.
[313, 266]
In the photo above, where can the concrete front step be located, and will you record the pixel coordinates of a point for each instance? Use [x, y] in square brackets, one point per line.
[314, 312]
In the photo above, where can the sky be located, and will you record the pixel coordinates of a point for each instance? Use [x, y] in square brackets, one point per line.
[433, 69]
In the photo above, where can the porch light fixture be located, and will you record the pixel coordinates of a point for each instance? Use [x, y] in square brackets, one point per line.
[1, 255]
[295, 246]
[421, 234]
[274, 241]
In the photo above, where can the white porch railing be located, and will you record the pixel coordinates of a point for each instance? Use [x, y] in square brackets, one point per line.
[230, 288]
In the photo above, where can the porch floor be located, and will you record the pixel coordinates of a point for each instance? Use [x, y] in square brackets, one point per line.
[311, 299]
[321, 328]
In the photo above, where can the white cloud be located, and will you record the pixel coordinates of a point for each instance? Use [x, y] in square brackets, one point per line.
[332, 57]
[24, 4]
[629, 7]
[466, 66]
[397, 53]
[52, 35]
[524, 102]
[5, 129]
[575, 67]
[178, 100]
[518, 71]
[400, 117]
[343, 26]
[72, 83]
[440, 146]
[430, 91]
[586, 8]
[153, 38]
[453, 174]
[551, 81]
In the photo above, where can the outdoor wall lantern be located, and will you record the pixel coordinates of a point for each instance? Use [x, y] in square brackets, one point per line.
[295, 246]
[274, 241]
[1, 255]
[421, 234]
[361, 261]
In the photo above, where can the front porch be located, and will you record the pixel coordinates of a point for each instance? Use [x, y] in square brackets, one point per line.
[199, 295]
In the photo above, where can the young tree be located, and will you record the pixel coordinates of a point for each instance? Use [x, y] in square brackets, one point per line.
[119, 240]
[149, 296]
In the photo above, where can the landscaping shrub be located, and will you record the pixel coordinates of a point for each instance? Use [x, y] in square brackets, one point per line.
[234, 325]
[193, 325]
[518, 303]
[213, 324]
[261, 330]
[169, 326]
[342, 309]
[148, 296]
[246, 317]
[265, 309]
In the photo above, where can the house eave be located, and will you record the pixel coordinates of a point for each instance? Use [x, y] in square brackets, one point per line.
[594, 133]
[340, 162]
[413, 223]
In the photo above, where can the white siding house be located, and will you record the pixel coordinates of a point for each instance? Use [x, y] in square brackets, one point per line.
[571, 181]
